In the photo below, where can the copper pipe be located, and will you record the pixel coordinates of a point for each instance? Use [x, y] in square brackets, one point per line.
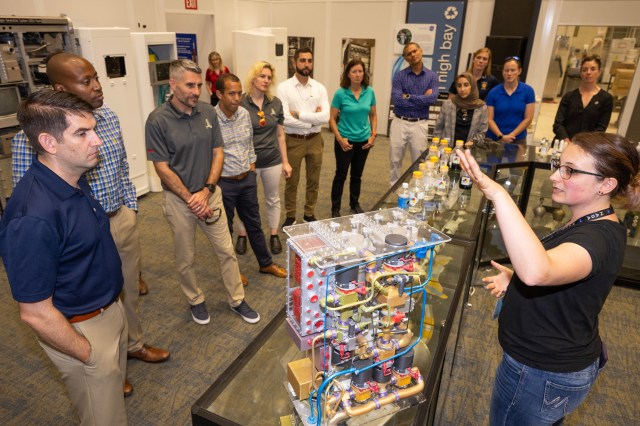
[371, 405]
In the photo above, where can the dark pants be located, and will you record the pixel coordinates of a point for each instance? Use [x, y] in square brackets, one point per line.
[356, 158]
[242, 196]
[214, 99]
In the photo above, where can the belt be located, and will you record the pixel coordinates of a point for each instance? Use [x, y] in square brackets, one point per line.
[236, 177]
[113, 213]
[79, 318]
[411, 119]
[305, 137]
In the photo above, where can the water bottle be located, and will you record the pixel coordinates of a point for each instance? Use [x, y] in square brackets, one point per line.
[416, 193]
[455, 159]
[403, 196]
[442, 182]
[444, 158]
[429, 180]
[433, 152]
[444, 143]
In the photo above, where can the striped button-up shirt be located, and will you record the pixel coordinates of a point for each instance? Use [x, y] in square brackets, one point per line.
[109, 180]
[417, 104]
[237, 136]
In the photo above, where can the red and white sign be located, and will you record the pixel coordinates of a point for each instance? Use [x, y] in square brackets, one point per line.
[191, 4]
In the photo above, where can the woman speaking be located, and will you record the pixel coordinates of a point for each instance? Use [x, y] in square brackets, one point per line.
[548, 324]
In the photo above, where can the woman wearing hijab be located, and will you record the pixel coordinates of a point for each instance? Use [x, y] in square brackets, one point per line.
[464, 115]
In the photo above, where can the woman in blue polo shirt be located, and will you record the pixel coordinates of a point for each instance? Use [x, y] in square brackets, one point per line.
[510, 108]
[355, 132]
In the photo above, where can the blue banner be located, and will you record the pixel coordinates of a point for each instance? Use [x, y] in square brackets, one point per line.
[446, 18]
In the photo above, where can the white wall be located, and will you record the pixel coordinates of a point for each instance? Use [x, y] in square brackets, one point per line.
[113, 13]
[331, 21]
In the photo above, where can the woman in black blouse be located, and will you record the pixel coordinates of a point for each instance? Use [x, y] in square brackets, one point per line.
[586, 109]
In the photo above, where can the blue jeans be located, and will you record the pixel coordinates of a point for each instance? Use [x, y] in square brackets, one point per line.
[527, 396]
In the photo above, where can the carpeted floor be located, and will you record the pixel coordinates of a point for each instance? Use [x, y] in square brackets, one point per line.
[31, 392]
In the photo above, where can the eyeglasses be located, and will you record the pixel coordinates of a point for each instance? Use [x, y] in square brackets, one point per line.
[262, 121]
[217, 212]
[509, 58]
[566, 172]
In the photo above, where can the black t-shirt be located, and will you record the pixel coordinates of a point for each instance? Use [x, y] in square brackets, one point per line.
[463, 123]
[555, 328]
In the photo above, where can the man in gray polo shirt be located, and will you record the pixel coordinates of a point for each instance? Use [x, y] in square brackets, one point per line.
[185, 144]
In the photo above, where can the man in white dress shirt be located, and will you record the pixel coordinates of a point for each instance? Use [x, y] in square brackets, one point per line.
[306, 109]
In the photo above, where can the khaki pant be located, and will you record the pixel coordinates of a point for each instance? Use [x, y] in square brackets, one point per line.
[405, 134]
[125, 234]
[183, 224]
[270, 177]
[311, 151]
[95, 388]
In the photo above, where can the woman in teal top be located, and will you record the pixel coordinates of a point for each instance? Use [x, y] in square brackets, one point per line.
[355, 133]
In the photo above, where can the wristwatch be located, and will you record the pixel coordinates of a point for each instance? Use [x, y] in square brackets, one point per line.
[211, 187]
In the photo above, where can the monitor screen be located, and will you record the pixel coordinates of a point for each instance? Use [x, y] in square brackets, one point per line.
[9, 100]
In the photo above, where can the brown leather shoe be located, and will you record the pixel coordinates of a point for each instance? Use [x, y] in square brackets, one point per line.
[142, 287]
[245, 281]
[128, 389]
[150, 354]
[274, 270]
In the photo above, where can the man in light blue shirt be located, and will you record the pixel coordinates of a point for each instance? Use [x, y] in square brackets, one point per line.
[238, 178]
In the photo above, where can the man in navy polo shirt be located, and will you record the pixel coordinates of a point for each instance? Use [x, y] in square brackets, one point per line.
[61, 261]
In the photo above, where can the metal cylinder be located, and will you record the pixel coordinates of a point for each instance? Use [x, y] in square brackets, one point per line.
[395, 242]
[360, 380]
[345, 277]
[403, 363]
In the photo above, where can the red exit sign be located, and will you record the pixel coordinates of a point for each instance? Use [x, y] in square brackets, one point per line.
[191, 4]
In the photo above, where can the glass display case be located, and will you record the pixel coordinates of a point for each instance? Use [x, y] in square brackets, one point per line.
[254, 389]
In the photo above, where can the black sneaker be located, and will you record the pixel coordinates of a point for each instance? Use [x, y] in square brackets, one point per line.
[241, 244]
[335, 213]
[276, 245]
[289, 221]
[356, 209]
[247, 314]
[311, 218]
[200, 314]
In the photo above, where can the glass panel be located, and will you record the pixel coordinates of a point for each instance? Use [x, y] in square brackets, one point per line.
[617, 48]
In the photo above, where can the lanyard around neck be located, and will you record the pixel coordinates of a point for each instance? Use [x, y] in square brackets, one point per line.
[586, 218]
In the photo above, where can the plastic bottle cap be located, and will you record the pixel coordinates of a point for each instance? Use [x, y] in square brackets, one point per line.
[417, 174]
[433, 159]
[405, 184]
[447, 150]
